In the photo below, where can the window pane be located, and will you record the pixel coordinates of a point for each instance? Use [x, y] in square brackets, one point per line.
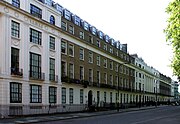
[52, 43]
[15, 92]
[35, 94]
[15, 29]
[35, 66]
[35, 36]
[52, 20]
[35, 11]
[16, 3]
[52, 94]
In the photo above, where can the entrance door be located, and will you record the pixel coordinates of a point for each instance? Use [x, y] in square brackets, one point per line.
[90, 98]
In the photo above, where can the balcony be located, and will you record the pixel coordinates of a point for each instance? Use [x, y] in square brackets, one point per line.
[16, 71]
[53, 78]
[37, 76]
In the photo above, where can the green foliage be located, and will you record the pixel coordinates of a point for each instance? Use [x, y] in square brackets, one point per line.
[173, 33]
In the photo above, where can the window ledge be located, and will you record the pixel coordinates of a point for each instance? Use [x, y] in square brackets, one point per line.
[52, 50]
[16, 38]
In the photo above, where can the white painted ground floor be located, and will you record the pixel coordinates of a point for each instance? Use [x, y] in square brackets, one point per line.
[20, 97]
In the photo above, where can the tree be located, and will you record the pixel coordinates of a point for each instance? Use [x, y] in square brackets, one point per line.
[172, 32]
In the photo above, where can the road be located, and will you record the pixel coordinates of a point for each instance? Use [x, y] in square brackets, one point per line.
[162, 115]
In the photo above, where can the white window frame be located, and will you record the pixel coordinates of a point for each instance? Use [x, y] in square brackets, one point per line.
[111, 65]
[64, 26]
[91, 76]
[71, 30]
[98, 60]
[82, 73]
[81, 34]
[64, 47]
[82, 54]
[90, 59]
[71, 71]
[71, 45]
[105, 63]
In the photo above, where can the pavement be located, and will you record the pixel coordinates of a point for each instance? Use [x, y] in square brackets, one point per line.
[64, 116]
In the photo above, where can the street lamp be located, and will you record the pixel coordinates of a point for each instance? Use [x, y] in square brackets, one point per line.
[118, 85]
[156, 93]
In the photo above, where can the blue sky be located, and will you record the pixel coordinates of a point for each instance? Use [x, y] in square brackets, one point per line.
[139, 23]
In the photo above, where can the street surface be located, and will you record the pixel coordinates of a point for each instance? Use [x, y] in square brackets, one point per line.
[161, 115]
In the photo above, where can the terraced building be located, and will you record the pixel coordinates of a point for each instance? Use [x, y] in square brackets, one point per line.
[54, 61]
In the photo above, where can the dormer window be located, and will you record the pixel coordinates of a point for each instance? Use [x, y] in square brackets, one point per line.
[100, 35]
[35, 11]
[67, 14]
[16, 3]
[49, 2]
[77, 20]
[117, 44]
[93, 30]
[86, 26]
[107, 38]
[52, 20]
[112, 42]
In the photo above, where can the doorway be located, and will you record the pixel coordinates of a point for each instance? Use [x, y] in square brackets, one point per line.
[90, 95]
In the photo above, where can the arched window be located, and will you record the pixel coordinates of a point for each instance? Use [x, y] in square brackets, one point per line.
[52, 20]
[16, 3]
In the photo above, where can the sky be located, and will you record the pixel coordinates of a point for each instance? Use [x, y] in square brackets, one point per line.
[139, 23]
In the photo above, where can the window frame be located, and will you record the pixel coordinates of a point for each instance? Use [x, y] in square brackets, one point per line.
[81, 55]
[90, 75]
[52, 69]
[15, 96]
[14, 59]
[90, 58]
[71, 50]
[52, 20]
[111, 65]
[105, 97]
[35, 36]
[64, 47]
[64, 25]
[98, 77]
[52, 95]
[81, 34]
[105, 63]
[81, 96]
[38, 94]
[98, 60]
[71, 72]
[71, 95]
[105, 78]
[81, 74]
[35, 11]
[71, 29]
[51, 43]
[98, 43]
[111, 79]
[15, 29]
[35, 70]
[105, 47]
[63, 68]
[16, 3]
[63, 92]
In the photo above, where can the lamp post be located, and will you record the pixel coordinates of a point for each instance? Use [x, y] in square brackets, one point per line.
[156, 94]
[118, 98]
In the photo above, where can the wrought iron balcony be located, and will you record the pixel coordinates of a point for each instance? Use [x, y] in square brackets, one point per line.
[37, 76]
[16, 71]
[53, 78]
